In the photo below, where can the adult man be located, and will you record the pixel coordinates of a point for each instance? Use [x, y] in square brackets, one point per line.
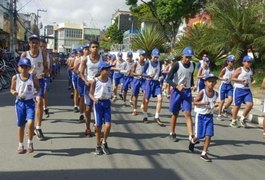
[88, 70]
[180, 78]
[40, 70]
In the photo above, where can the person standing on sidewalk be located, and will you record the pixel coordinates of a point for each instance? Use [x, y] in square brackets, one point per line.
[180, 78]
[88, 71]
[242, 78]
[152, 73]
[39, 68]
[263, 86]
[204, 107]
[226, 87]
[100, 93]
[24, 86]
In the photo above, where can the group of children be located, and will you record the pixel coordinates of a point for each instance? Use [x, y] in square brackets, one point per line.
[96, 78]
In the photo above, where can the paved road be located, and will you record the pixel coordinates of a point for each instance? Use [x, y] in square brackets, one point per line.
[139, 151]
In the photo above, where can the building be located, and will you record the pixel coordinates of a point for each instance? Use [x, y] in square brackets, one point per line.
[64, 37]
[125, 20]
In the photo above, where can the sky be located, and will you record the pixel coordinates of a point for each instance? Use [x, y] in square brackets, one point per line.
[95, 13]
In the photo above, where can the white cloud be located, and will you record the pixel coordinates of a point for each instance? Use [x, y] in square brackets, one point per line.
[95, 13]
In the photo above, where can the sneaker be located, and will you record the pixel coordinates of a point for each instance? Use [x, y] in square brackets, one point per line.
[30, 148]
[159, 122]
[173, 137]
[134, 113]
[20, 150]
[88, 133]
[191, 147]
[219, 118]
[81, 118]
[234, 124]
[243, 123]
[99, 151]
[145, 120]
[76, 109]
[46, 112]
[121, 96]
[206, 158]
[39, 134]
[105, 148]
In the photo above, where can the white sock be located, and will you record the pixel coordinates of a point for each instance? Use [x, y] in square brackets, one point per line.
[145, 115]
[30, 141]
[37, 127]
[20, 144]
[190, 138]
[203, 153]
[242, 118]
[134, 110]
[157, 115]
[75, 105]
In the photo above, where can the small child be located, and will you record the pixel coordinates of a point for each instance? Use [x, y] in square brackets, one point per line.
[226, 87]
[100, 93]
[242, 78]
[263, 86]
[24, 87]
[202, 73]
[204, 107]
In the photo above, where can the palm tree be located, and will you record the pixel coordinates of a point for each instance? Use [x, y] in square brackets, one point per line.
[148, 39]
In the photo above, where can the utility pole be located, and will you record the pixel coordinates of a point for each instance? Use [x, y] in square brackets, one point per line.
[12, 9]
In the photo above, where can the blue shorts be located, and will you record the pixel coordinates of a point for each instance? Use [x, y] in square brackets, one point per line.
[69, 72]
[46, 83]
[25, 110]
[74, 80]
[180, 101]
[117, 80]
[152, 88]
[127, 80]
[102, 112]
[42, 86]
[80, 86]
[88, 100]
[201, 84]
[225, 91]
[204, 125]
[136, 85]
[242, 96]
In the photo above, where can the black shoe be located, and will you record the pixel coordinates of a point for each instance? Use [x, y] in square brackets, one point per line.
[46, 112]
[99, 151]
[81, 118]
[159, 122]
[76, 109]
[206, 158]
[105, 148]
[173, 137]
[145, 120]
[39, 134]
[191, 147]
[88, 133]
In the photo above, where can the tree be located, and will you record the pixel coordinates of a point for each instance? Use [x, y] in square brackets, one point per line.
[149, 39]
[113, 34]
[170, 13]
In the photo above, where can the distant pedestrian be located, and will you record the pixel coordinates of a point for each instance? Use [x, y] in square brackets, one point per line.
[24, 86]
[226, 87]
[263, 86]
[100, 93]
[202, 73]
[204, 107]
[242, 78]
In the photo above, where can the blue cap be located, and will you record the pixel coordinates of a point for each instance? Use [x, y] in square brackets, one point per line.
[80, 49]
[211, 76]
[188, 51]
[129, 54]
[119, 54]
[155, 52]
[113, 57]
[86, 45]
[34, 36]
[102, 65]
[142, 52]
[206, 59]
[24, 62]
[231, 58]
[247, 59]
